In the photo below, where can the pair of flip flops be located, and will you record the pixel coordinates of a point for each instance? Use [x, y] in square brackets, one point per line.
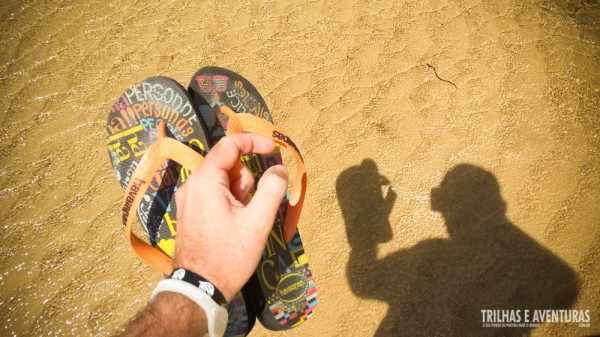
[158, 133]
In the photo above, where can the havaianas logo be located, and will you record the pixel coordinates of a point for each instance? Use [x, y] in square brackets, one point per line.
[135, 187]
[292, 287]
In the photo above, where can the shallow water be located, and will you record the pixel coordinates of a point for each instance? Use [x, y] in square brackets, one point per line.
[417, 87]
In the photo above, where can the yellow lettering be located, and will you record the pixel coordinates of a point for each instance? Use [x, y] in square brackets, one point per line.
[167, 246]
[136, 146]
[121, 152]
[291, 288]
[171, 223]
[278, 237]
[298, 255]
[264, 277]
[184, 173]
[124, 133]
[196, 142]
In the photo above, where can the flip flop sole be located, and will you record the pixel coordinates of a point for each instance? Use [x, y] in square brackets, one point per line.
[132, 127]
[282, 291]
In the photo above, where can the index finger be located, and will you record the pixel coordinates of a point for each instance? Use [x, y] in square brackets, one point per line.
[225, 156]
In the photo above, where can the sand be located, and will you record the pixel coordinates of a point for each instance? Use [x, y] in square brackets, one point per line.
[431, 94]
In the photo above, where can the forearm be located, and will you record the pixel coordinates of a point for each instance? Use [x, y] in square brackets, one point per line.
[364, 276]
[170, 314]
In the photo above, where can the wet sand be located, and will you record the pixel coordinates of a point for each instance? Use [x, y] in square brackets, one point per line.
[415, 88]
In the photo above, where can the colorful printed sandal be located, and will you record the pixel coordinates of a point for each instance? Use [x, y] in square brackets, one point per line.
[282, 291]
[136, 147]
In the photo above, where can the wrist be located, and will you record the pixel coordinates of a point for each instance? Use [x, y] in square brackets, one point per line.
[214, 277]
[200, 282]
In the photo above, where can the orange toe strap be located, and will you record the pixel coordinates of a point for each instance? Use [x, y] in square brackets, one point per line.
[243, 122]
[164, 148]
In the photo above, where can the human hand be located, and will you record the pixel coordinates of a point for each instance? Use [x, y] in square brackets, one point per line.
[218, 237]
[366, 205]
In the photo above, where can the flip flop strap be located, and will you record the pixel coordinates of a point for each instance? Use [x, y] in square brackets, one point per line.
[243, 122]
[164, 148]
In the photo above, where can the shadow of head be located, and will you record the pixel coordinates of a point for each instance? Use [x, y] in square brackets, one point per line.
[366, 200]
[469, 199]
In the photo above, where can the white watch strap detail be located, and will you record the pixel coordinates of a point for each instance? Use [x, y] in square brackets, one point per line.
[216, 315]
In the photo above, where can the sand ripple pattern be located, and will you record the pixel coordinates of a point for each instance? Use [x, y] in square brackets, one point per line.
[418, 87]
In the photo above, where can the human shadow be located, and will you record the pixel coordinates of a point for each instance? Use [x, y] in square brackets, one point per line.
[439, 287]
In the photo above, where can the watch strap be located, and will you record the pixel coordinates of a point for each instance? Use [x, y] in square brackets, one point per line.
[199, 282]
[216, 315]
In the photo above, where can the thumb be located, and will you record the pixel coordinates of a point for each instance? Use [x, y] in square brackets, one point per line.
[268, 197]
